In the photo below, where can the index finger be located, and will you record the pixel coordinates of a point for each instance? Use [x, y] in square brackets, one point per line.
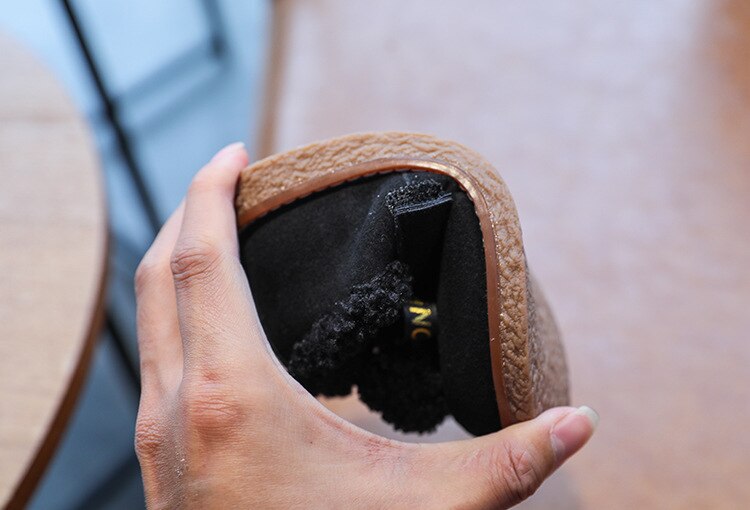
[218, 323]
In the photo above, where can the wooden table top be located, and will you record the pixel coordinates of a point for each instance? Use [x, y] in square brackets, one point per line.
[623, 132]
[53, 246]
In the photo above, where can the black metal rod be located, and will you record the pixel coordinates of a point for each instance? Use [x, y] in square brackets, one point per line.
[213, 15]
[113, 115]
[119, 342]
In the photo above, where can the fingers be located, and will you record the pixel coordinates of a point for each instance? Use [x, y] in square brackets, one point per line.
[218, 323]
[501, 469]
[159, 343]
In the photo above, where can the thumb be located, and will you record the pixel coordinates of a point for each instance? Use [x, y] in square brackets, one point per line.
[504, 468]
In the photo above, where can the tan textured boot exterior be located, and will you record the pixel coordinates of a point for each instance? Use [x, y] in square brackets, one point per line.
[528, 363]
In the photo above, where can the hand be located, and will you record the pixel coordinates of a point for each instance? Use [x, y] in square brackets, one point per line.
[222, 425]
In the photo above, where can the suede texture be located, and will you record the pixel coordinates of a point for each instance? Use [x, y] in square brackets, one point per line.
[308, 261]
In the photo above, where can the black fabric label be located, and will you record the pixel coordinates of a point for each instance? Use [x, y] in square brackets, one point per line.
[419, 226]
[420, 322]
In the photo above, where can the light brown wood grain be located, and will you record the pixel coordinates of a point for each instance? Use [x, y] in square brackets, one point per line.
[622, 130]
[53, 244]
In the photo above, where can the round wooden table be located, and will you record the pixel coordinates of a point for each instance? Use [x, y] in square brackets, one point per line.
[53, 253]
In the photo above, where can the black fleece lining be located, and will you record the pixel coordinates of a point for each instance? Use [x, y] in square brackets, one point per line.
[329, 358]
[330, 274]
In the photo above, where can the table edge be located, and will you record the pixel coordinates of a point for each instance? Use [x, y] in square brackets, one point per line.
[57, 426]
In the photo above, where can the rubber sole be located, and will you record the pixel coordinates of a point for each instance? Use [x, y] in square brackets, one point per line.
[528, 363]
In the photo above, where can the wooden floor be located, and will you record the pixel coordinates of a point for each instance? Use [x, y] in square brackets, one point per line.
[623, 131]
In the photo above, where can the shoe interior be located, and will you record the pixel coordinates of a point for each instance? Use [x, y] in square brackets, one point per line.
[379, 284]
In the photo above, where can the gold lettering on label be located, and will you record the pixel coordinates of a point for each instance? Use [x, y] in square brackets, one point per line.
[421, 331]
[422, 314]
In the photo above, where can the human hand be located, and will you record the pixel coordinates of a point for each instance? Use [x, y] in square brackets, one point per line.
[221, 424]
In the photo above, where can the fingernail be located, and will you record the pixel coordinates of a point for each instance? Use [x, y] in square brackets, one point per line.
[571, 433]
[228, 150]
